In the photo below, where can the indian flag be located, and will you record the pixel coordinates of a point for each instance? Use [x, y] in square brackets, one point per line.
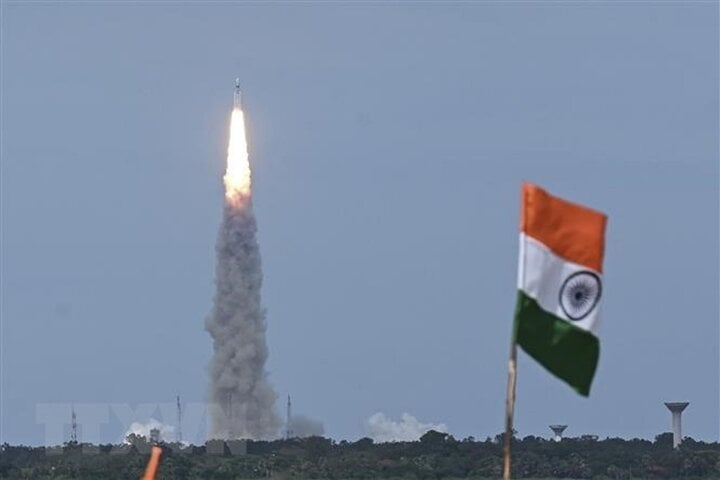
[560, 285]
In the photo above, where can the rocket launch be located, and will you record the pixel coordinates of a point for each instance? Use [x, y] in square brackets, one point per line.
[237, 99]
[241, 397]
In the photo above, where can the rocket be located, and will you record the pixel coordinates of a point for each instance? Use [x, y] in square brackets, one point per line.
[237, 98]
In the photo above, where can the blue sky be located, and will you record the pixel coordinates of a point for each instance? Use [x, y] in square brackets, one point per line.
[388, 144]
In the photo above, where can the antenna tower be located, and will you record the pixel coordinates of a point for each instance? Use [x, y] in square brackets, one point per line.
[230, 415]
[73, 426]
[179, 420]
[288, 421]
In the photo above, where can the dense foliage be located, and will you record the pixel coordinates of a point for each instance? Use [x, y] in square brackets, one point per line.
[435, 456]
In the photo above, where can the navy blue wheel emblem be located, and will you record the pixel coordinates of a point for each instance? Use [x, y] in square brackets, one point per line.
[579, 295]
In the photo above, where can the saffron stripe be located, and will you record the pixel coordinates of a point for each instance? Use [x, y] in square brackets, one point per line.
[574, 232]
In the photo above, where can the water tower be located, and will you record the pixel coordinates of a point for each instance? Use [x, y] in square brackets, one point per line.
[677, 408]
[558, 431]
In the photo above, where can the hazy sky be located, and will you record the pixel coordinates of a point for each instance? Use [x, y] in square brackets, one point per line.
[388, 145]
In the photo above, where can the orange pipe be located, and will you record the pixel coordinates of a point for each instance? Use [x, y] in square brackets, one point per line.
[153, 463]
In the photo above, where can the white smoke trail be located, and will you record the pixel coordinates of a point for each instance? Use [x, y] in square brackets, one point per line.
[241, 398]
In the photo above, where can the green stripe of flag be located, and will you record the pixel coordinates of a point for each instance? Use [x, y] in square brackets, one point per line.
[565, 350]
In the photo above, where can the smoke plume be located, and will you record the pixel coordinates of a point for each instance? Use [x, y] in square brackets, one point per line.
[241, 398]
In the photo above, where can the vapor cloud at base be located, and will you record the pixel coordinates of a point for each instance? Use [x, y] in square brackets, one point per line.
[302, 426]
[408, 429]
[167, 432]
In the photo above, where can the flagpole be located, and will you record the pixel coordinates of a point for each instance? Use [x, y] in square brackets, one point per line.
[509, 408]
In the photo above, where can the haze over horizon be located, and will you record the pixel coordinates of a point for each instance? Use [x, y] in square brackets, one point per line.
[388, 144]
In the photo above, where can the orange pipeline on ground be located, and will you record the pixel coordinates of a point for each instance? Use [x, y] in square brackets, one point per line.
[153, 463]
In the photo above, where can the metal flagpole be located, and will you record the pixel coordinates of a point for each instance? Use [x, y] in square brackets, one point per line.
[509, 408]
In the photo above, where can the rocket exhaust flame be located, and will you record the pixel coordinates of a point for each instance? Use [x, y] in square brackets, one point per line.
[237, 177]
[241, 397]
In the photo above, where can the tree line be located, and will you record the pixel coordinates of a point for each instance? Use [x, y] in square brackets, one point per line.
[435, 456]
